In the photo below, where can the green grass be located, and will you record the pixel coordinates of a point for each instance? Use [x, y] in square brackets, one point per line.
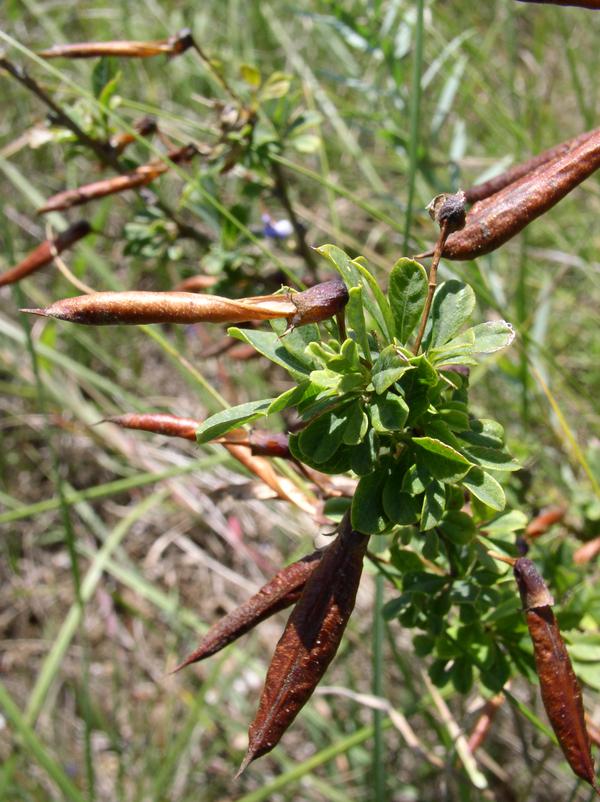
[120, 549]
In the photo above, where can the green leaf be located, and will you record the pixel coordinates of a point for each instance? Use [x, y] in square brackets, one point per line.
[293, 397]
[368, 514]
[462, 674]
[434, 504]
[407, 292]
[484, 432]
[453, 304]
[297, 340]
[322, 438]
[504, 526]
[364, 455]
[355, 319]
[458, 527]
[222, 422]
[441, 460]
[389, 413]
[357, 424]
[485, 488]
[250, 75]
[277, 85]
[104, 71]
[385, 318]
[268, 344]
[494, 459]
[492, 336]
[339, 462]
[389, 366]
[401, 508]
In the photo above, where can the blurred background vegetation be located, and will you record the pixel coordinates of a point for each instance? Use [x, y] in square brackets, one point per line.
[118, 550]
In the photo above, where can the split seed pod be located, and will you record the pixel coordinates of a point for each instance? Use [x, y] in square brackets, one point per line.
[310, 640]
[278, 593]
[45, 252]
[131, 308]
[139, 177]
[172, 46]
[498, 182]
[493, 221]
[559, 687]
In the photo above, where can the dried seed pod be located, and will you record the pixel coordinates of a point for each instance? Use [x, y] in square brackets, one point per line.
[131, 308]
[269, 444]
[173, 426]
[158, 423]
[485, 721]
[137, 307]
[496, 219]
[310, 640]
[559, 687]
[45, 252]
[593, 4]
[139, 177]
[279, 592]
[196, 283]
[498, 182]
[542, 522]
[587, 552]
[146, 126]
[172, 46]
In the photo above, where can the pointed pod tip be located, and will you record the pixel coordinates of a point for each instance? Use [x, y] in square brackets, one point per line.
[40, 312]
[244, 764]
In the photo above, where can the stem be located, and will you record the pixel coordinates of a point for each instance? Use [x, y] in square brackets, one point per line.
[415, 118]
[217, 75]
[437, 255]
[282, 193]
[379, 787]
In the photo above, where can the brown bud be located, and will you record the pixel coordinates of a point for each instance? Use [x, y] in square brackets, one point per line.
[319, 302]
[449, 210]
[532, 587]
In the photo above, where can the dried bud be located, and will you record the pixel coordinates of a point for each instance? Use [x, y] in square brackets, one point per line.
[533, 590]
[172, 46]
[449, 209]
[319, 302]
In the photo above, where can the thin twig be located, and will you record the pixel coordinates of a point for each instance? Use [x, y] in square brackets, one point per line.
[437, 255]
[217, 74]
[282, 192]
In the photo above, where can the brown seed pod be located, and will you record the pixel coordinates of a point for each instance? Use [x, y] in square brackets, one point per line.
[237, 445]
[45, 252]
[587, 552]
[541, 523]
[139, 177]
[269, 444]
[484, 722]
[559, 687]
[310, 640]
[279, 592]
[172, 46]
[137, 307]
[196, 283]
[146, 126]
[158, 423]
[493, 221]
[498, 182]
[593, 4]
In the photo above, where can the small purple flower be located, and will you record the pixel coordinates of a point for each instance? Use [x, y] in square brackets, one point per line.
[276, 229]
